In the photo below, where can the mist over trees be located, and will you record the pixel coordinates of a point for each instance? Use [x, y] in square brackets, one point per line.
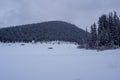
[107, 33]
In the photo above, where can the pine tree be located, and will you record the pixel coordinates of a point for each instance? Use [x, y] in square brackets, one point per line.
[93, 37]
[103, 31]
[113, 23]
[87, 39]
[108, 30]
[116, 22]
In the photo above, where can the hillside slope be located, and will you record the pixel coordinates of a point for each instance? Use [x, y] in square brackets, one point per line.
[46, 31]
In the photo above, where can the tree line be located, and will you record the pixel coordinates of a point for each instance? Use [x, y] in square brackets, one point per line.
[106, 33]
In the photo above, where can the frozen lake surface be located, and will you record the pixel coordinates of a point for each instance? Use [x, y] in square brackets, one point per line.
[61, 62]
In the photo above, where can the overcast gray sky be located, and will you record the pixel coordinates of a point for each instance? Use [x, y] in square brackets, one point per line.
[79, 12]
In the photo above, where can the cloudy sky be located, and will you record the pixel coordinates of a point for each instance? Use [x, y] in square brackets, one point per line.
[79, 12]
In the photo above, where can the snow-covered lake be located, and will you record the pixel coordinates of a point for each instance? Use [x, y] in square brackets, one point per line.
[63, 62]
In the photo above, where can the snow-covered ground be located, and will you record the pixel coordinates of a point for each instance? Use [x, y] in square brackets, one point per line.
[63, 62]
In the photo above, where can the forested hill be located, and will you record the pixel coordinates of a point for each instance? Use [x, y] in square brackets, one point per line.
[45, 31]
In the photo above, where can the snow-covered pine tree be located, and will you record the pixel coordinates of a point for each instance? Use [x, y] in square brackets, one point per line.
[119, 34]
[116, 22]
[103, 31]
[113, 24]
[87, 39]
[93, 37]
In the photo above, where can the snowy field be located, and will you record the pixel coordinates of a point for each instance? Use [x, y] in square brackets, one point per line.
[63, 62]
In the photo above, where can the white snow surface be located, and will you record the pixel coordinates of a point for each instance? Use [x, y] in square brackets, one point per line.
[64, 62]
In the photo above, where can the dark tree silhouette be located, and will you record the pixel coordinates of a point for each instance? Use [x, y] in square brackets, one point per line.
[108, 32]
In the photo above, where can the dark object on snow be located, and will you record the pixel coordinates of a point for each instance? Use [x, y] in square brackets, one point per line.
[50, 47]
[22, 44]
